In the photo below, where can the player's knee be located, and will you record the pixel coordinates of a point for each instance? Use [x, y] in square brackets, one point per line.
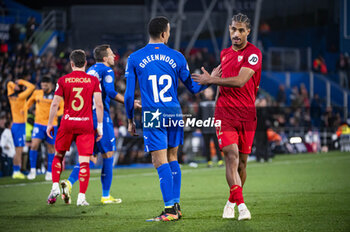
[230, 154]
[242, 164]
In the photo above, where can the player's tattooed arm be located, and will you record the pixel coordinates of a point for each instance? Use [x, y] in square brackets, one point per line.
[238, 81]
[132, 127]
[99, 114]
[120, 98]
[53, 111]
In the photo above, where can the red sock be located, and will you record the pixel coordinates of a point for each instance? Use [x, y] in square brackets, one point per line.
[56, 168]
[84, 176]
[236, 195]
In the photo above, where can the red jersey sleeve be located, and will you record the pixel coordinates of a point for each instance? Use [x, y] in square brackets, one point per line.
[59, 88]
[97, 87]
[252, 59]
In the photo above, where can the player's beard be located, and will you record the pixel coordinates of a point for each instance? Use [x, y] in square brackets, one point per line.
[238, 46]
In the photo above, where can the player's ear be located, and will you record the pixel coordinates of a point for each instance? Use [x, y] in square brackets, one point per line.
[72, 64]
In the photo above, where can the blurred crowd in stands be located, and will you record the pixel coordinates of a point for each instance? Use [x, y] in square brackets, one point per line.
[17, 61]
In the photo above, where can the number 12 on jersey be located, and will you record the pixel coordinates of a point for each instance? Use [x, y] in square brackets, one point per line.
[155, 84]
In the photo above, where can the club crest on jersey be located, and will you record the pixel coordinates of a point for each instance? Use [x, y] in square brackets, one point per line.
[240, 58]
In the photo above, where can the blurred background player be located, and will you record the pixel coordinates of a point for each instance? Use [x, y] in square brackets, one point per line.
[42, 98]
[158, 68]
[77, 89]
[235, 107]
[17, 94]
[104, 57]
[206, 110]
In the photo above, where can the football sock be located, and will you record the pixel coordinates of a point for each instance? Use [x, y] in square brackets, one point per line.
[176, 172]
[16, 168]
[166, 183]
[84, 176]
[74, 176]
[49, 161]
[33, 155]
[107, 176]
[56, 168]
[236, 195]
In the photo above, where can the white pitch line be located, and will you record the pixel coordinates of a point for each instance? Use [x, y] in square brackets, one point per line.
[287, 162]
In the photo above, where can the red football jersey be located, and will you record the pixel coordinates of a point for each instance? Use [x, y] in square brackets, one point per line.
[239, 103]
[77, 89]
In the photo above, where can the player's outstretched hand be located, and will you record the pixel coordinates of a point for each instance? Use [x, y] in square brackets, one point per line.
[216, 71]
[50, 129]
[99, 131]
[202, 79]
[132, 127]
[137, 104]
[98, 138]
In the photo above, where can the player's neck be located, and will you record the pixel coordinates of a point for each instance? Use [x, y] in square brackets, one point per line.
[155, 41]
[79, 69]
[239, 48]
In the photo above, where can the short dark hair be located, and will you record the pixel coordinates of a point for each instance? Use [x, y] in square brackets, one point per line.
[157, 25]
[100, 52]
[46, 79]
[242, 18]
[78, 57]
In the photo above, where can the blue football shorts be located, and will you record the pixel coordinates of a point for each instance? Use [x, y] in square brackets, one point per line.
[39, 132]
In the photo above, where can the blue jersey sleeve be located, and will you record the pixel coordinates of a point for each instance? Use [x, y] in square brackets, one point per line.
[108, 83]
[185, 77]
[130, 75]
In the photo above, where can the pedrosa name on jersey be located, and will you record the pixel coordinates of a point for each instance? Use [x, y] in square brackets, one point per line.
[154, 57]
[78, 80]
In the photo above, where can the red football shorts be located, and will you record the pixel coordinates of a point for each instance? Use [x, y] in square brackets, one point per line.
[236, 132]
[84, 142]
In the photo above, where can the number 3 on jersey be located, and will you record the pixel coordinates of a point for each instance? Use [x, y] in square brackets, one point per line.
[160, 95]
[81, 99]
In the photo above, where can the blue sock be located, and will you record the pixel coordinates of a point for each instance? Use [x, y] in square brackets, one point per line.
[176, 172]
[16, 168]
[74, 176]
[92, 165]
[33, 156]
[107, 176]
[49, 161]
[166, 184]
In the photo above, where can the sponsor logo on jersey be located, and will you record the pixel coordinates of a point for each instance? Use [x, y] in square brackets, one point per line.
[253, 59]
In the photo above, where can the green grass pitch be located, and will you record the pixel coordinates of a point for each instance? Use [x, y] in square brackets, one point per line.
[293, 193]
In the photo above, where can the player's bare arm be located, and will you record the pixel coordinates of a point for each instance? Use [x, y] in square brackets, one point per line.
[132, 127]
[238, 81]
[53, 111]
[99, 114]
[120, 98]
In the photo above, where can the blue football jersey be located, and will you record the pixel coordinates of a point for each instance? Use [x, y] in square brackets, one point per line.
[157, 69]
[106, 77]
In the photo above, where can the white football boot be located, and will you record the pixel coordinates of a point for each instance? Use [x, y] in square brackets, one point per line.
[81, 200]
[229, 210]
[32, 174]
[55, 192]
[48, 176]
[243, 212]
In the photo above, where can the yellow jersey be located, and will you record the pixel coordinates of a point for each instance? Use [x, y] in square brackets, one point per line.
[18, 101]
[42, 106]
